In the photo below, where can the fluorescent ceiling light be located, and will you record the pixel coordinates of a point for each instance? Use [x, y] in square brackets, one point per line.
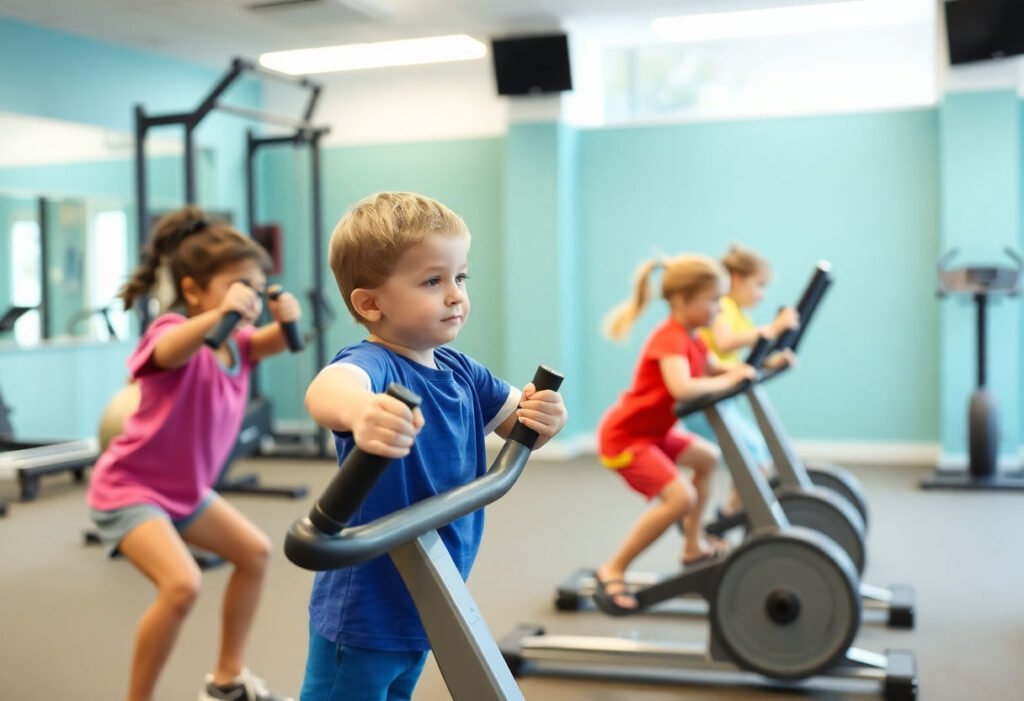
[800, 19]
[354, 57]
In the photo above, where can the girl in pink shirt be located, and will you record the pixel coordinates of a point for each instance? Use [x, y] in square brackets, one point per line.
[151, 491]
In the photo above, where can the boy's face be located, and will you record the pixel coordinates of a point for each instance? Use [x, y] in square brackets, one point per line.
[425, 302]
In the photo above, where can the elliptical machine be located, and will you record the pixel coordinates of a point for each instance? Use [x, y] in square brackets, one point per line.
[981, 282]
[466, 653]
[826, 499]
[783, 607]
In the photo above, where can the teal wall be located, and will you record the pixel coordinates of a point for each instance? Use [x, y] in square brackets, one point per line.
[58, 391]
[857, 190]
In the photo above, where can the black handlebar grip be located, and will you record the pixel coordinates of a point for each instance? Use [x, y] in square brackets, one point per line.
[216, 336]
[355, 478]
[290, 328]
[544, 378]
[759, 352]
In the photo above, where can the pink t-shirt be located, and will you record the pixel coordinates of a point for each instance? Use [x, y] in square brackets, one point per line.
[176, 442]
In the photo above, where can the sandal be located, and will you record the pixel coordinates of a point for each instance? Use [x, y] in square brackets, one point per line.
[718, 547]
[605, 600]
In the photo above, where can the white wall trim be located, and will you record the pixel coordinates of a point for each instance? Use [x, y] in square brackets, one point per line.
[893, 453]
[957, 462]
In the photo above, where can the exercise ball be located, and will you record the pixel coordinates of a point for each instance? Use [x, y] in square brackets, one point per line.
[116, 413]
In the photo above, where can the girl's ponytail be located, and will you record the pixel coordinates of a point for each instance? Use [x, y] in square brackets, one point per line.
[621, 319]
[168, 234]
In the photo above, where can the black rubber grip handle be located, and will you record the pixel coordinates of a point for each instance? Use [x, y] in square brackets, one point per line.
[355, 478]
[544, 378]
[290, 328]
[759, 352]
[216, 336]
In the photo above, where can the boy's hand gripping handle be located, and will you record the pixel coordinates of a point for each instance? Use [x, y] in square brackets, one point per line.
[355, 478]
[216, 336]
[544, 378]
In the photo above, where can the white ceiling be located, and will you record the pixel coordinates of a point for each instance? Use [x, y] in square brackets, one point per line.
[212, 31]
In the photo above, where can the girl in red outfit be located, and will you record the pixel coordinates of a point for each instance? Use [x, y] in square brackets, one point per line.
[637, 436]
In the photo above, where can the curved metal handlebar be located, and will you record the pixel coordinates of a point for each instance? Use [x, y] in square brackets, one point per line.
[812, 295]
[313, 547]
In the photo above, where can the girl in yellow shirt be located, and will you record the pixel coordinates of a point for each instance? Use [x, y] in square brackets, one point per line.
[730, 332]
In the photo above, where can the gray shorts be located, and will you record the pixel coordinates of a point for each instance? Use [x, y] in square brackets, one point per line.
[115, 524]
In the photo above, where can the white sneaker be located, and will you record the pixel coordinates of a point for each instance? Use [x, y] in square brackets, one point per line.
[247, 688]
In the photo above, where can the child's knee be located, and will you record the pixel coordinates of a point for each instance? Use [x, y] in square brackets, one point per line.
[679, 496]
[705, 456]
[180, 591]
[256, 555]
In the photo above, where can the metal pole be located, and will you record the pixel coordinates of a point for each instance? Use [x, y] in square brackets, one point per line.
[44, 266]
[141, 202]
[190, 174]
[318, 265]
[979, 303]
[250, 180]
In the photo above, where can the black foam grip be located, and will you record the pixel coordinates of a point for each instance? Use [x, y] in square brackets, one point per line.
[216, 336]
[544, 378]
[759, 352]
[290, 328]
[355, 478]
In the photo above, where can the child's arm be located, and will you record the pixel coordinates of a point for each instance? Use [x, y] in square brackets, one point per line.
[175, 347]
[542, 411]
[729, 339]
[675, 371]
[340, 399]
[270, 339]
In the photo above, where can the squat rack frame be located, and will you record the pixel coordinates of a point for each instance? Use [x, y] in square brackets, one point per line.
[304, 133]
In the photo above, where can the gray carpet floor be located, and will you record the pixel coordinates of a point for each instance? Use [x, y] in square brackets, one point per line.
[68, 614]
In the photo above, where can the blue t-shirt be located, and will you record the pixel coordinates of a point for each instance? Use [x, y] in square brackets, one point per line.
[368, 605]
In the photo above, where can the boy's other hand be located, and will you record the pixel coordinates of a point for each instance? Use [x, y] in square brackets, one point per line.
[542, 411]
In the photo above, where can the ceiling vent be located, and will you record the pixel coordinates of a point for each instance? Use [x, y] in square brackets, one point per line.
[313, 13]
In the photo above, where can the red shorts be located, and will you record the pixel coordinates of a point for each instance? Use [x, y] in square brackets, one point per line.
[649, 467]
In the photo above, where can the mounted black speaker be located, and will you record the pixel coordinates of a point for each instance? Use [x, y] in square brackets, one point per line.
[982, 29]
[532, 64]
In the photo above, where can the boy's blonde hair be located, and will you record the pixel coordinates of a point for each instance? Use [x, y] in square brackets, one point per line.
[744, 262]
[687, 275]
[373, 235]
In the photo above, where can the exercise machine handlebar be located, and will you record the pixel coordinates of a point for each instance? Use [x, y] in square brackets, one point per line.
[812, 295]
[321, 541]
[216, 336]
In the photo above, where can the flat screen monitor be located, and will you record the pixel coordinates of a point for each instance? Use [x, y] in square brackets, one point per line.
[978, 30]
[532, 64]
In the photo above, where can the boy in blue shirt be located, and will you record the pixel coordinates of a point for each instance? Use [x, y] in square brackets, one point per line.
[401, 262]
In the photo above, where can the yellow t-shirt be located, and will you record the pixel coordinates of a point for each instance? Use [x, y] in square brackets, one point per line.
[737, 320]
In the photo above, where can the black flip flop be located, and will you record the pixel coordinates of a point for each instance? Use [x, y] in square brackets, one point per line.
[606, 601]
[715, 553]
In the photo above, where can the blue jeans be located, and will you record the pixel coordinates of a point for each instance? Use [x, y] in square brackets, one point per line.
[345, 673]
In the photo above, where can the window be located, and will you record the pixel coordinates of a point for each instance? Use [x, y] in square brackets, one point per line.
[26, 279]
[108, 259]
